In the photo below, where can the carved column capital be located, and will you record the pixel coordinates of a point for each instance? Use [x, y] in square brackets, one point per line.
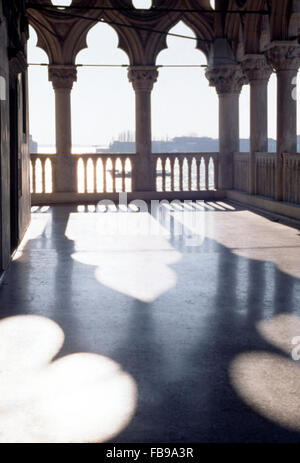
[142, 77]
[284, 56]
[62, 76]
[226, 78]
[17, 64]
[256, 68]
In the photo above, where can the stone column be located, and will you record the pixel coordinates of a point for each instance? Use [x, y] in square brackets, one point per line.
[284, 57]
[258, 72]
[228, 80]
[143, 79]
[62, 78]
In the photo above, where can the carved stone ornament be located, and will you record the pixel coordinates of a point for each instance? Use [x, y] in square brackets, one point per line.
[142, 77]
[284, 56]
[255, 67]
[62, 76]
[226, 79]
[18, 64]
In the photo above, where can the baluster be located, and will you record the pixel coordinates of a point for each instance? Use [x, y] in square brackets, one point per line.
[172, 162]
[241, 180]
[198, 161]
[258, 176]
[264, 171]
[95, 173]
[262, 176]
[286, 167]
[114, 175]
[267, 192]
[272, 178]
[51, 174]
[85, 175]
[123, 160]
[242, 175]
[77, 172]
[34, 175]
[43, 164]
[132, 165]
[176, 173]
[269, 179]
[268, 176]
[180, 162]
[189, 160]
[104, 174]
[286, 179]
[163, 173]
[206, 163]
[216, 170]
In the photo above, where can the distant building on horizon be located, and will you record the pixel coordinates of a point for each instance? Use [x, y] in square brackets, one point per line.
[174, 145]
[183, 145]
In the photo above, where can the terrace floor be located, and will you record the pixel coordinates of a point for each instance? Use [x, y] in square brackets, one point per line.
[175, 326]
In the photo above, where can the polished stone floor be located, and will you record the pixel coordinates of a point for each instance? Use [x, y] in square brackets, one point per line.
[180, 324]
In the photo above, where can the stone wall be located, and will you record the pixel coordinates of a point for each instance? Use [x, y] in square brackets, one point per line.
[14, 151]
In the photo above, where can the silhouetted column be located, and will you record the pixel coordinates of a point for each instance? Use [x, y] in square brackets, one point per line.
[258, 73]
[284, 57]
[228, 80]
[143, 78]
[62, 78]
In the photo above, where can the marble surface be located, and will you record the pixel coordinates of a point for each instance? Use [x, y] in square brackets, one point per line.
[188, 314]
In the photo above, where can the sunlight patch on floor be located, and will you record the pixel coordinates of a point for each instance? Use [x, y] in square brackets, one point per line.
[81, 397]
[268, 382]
[140, 275]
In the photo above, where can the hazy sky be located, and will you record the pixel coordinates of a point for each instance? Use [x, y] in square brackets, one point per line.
[103, 99]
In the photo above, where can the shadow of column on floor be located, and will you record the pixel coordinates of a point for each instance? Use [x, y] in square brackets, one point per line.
[179, 348]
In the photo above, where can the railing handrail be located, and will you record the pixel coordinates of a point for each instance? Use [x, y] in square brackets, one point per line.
[291, 156]
[37, 155]
[104, 155]
[181, 155]
[265, 156]
[76, 155]
[131, 156]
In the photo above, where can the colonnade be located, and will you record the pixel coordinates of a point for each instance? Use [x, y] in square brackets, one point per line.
[228, 79]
